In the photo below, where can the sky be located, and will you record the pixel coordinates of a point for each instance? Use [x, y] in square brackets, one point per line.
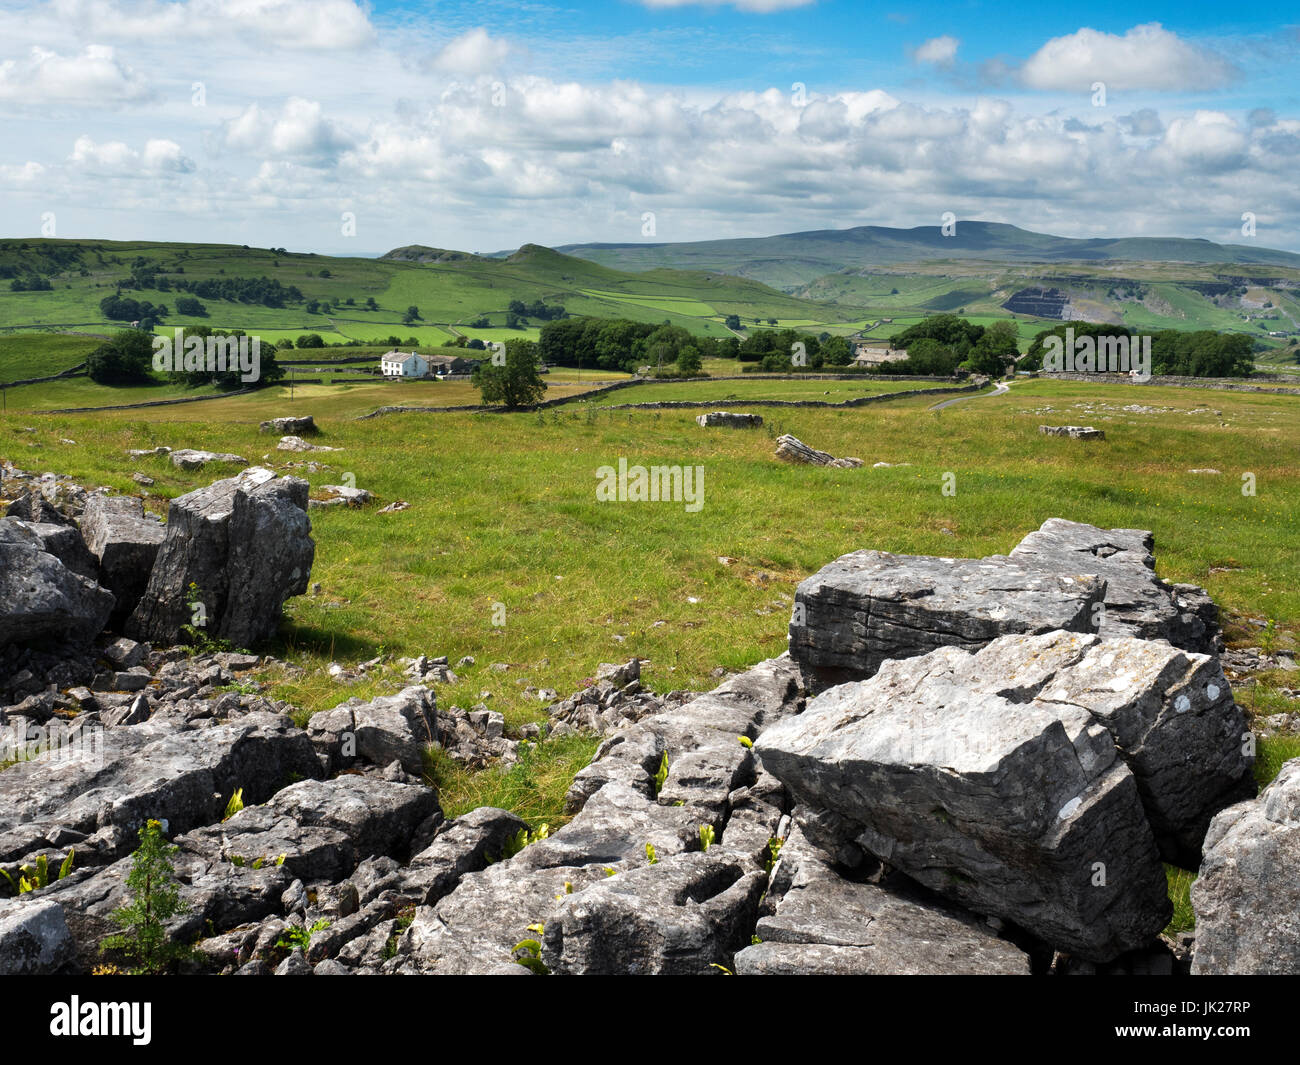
[352, 128]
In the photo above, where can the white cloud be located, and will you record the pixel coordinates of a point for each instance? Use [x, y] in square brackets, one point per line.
[94, 77]
[319, 25]
[1146, 57]
[20, 173]
[117, 159]
[938, 50]
[474, 52]
[298, 133]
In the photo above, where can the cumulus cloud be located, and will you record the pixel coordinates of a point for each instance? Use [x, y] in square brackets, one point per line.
[941, 51]
[1143, 123]
[475, 52]
[298, 132]
[1146, 57]
[94, 77]
[116, 159]
[322, 25]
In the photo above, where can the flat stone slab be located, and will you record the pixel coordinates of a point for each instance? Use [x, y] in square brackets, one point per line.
[870, 606]
[825, 924]
[1076, 432]
[728, 420]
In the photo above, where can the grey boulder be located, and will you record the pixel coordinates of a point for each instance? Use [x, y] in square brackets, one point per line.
[1137, 603]
[40, 597]
[990, 793]
[1247, 897]
[239, 547]
[387, 729]
[34, 937]
[681, 916]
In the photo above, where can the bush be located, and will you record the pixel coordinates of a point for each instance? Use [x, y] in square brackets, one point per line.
[124, 359]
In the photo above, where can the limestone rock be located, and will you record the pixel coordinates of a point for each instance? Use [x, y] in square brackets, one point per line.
[1247, 897]
[125, 541]
[40, 597]
[993, 794]
[245, 544]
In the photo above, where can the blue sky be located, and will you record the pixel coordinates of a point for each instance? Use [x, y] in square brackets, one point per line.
[484, 125]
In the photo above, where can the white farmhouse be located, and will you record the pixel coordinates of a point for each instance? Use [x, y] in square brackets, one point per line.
[403, 364]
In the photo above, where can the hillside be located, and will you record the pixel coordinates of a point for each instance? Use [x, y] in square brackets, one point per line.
[51, 285]
[791, 259]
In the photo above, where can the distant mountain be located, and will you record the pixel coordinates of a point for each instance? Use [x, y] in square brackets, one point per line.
[793, 259]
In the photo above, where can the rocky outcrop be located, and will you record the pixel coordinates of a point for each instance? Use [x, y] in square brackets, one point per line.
[826, 924]
[676, 917]
[625, 825]
[125, 541]
[34, 938]
[869, 606]
[391, 728]
[64, 542]
[994, 780]
[239, 547]
[105, 783]
[792, 449]
[1137, 602]
[1247, 897]
[40, 597]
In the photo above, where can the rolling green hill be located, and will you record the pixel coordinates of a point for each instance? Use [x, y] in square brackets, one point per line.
[791, 259]
[289, 294]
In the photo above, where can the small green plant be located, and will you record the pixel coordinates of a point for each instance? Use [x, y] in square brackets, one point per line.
[34, 877]
[196, 632]
[745, 742]
[521, 839]
[650, 854]
[528, 952]
[773, 852]
[298, 936]
[1268, 637]
[661, 774]
[706, 838]
[155, 899]
[235, 804]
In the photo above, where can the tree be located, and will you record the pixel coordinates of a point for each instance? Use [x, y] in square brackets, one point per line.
[994, 350]
[836, 352]
[689, 361]
[371, 305]
[310, 340]
[155, 899]
[733, 321]
[124, 359]
[517, 383]
[190, 307]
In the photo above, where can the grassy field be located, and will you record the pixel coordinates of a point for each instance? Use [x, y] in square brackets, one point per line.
[503, 510]
[705, 391]
[448, 294]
